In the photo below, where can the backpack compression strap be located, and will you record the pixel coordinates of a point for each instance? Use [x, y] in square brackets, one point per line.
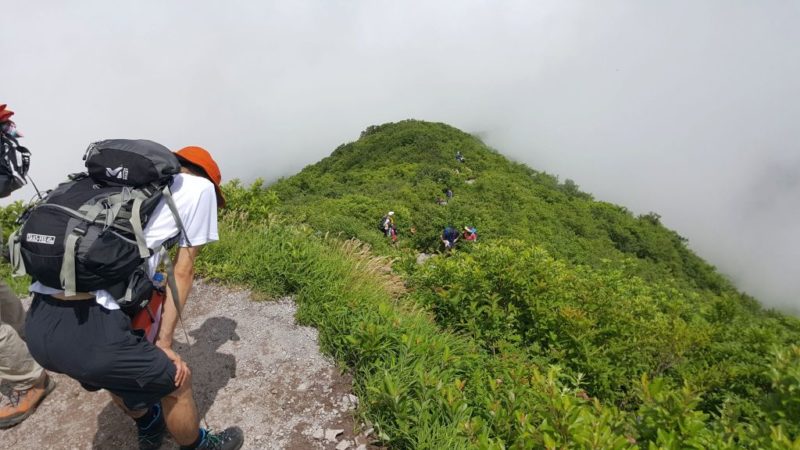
[67, 275]
[109, 208]
[15, 255]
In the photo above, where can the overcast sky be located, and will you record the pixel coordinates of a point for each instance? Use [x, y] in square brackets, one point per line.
[687, 108]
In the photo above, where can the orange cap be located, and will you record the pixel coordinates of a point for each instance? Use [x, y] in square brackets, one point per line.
[202, 159]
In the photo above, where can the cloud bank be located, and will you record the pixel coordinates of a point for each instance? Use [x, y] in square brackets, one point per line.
[684, 108]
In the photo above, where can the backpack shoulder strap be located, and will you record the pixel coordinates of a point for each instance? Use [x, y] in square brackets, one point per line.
[136, 223]
[174, 209]
[171, 284]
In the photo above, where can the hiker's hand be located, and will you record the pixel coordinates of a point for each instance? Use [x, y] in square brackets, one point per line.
[182, 371]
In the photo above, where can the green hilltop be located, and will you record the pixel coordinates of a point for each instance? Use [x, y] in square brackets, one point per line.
[406, 166]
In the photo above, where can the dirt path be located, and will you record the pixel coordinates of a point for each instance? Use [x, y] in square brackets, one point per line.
[252, 367]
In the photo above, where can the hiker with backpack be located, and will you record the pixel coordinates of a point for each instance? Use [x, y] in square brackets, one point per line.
[92, 247]
[29, 382]
[470, 234]
[387, 226]
[449, 237]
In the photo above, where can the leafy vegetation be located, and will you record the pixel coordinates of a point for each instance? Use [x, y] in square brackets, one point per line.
[617, 302]
[518, 349]
[8, 223]
[571, 324]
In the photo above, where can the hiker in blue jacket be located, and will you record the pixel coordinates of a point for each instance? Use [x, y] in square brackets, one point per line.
[449, 237]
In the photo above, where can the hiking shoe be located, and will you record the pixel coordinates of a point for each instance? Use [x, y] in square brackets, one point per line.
[150, 437]
[22, 404]
[229, 439]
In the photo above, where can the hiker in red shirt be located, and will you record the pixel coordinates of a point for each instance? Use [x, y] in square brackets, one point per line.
[470, 233]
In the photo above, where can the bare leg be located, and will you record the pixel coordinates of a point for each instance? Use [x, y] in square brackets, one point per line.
[180, 413]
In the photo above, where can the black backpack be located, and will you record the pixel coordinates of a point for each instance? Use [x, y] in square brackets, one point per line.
[14, 163]
[87, 234]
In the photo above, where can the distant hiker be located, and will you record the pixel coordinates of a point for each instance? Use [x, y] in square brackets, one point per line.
[79, 324]
[470, 234]
[459, 157]
[448, 192]
[387, 224]
[29, 383]
[449, 237]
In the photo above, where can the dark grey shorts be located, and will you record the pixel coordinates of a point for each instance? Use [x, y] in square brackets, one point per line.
[97, 347]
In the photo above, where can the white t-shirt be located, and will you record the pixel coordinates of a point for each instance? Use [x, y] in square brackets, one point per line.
[196, 201]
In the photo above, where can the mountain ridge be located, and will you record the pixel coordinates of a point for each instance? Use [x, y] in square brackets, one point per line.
[416, 162]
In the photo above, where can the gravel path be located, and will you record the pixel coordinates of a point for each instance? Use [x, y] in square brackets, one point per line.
[252, 367]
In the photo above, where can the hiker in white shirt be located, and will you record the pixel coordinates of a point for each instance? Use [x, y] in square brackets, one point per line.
[150, 382]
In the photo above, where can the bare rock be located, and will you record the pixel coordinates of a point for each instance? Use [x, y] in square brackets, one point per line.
[422, 257]
[259, 342]
[331, 434]
[344, 445]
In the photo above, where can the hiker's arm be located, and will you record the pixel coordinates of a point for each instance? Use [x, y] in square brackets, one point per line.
[184, 275]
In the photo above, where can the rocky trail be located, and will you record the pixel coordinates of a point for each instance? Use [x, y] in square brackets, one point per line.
[252, 367]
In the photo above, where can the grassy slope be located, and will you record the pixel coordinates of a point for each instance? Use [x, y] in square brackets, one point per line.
[640, 303]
